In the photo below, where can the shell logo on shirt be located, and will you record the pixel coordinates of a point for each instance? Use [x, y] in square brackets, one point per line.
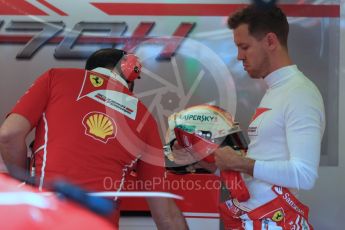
[99, 126]
[96, 81]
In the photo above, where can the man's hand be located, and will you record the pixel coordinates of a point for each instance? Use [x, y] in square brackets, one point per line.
[182, 156]
[228, 159]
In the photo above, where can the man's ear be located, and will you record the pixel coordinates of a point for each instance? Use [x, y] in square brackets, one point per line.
[271, 41]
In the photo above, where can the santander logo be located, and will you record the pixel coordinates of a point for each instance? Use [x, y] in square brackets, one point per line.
[289, 200]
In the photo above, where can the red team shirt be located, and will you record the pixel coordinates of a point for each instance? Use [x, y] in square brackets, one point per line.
[91, 130]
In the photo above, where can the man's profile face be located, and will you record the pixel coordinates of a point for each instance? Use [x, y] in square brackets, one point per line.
[251, 52]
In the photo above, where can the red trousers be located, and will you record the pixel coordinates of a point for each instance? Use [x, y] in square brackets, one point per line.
[283, 212]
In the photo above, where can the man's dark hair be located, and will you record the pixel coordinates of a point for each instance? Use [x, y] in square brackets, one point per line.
[106, 58]
[261, 21]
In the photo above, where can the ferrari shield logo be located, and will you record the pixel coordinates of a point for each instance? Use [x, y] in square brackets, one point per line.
[96, 81]
[278, 216]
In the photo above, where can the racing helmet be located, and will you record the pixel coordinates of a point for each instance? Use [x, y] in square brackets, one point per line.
[202, 129]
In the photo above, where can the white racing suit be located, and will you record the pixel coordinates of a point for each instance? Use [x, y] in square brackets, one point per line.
[285, 138]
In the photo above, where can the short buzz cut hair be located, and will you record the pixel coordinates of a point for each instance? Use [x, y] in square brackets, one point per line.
[262, 20]
[106, 58]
